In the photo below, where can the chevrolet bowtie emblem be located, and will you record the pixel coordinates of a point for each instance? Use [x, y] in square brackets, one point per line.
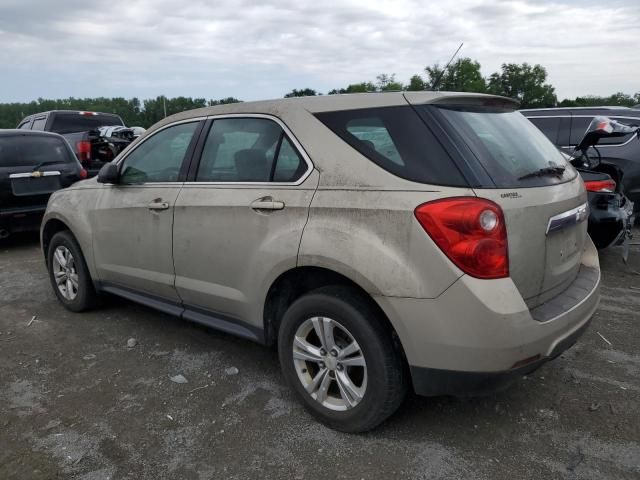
[36, 174]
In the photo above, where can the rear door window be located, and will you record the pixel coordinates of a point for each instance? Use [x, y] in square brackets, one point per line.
[249, 150]
[33, 150]
[396, 139]
[83, 121]
[509, 147]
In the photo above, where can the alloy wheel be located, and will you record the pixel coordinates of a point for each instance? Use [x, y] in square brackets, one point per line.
[64, 272]
[329, 363]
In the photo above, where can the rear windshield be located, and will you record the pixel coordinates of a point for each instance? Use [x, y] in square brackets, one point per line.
[396, 139]
[507, 145]
[33, 150]
[77, 122]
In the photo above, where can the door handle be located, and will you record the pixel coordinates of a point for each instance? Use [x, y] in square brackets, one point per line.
[267, 203]
[158, 205]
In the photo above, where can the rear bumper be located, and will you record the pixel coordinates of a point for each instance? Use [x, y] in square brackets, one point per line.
[431, 381]
[479, 335]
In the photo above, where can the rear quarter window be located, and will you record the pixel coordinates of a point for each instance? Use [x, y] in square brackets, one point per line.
[396, 139]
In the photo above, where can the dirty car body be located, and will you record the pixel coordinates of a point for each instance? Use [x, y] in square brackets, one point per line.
[367, 235]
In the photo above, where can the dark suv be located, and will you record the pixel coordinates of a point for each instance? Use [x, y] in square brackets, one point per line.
[566, 126]
[32, 166]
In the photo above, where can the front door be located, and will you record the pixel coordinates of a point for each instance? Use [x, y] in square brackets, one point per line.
[133, 220]
[239, 222]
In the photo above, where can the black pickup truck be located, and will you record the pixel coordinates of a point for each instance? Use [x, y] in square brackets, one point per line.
[96, 138]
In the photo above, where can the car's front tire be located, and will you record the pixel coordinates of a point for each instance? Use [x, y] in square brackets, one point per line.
[69, 274]
[338, 354]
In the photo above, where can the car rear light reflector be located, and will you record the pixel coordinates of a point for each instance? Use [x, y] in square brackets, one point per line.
[83, 173]
[601, 186]
[471, 232]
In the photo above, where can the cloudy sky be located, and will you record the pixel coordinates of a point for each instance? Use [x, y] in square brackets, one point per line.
[263, 49]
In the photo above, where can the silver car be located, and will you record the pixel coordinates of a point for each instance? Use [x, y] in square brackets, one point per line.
[434, 241]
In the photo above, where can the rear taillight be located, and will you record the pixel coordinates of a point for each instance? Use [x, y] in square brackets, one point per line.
[84, 151]
[471, 232]
[601, 186]
[83, 173]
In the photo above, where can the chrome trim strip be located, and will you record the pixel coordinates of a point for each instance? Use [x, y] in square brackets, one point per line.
[565, 219]
[39, 174]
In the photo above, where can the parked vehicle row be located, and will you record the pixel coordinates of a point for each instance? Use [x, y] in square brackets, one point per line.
[96, 138]
[611, 213]
[381, 241]
[620, 155]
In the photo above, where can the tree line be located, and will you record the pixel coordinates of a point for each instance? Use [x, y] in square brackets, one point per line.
[524, 82]
[133, 111]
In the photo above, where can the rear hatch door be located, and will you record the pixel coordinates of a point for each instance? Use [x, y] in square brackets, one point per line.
[509, 161]
[32, 167]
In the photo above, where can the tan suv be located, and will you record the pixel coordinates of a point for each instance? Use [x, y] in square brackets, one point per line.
[380, 240]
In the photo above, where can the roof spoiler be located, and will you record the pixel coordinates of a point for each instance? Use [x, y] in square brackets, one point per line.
[471, 99]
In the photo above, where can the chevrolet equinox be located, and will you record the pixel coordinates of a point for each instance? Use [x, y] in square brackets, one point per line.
[382, 241]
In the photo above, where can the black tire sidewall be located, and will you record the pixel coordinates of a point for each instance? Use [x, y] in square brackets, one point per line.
[86, 294]
[375, 343]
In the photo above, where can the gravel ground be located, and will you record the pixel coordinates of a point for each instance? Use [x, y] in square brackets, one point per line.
[77, 402]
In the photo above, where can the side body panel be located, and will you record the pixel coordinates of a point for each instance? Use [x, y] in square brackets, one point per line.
[227, 254]
[133, 244]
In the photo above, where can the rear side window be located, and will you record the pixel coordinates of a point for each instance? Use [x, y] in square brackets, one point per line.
[81, 122]
[33, 150]
[548, 126]
[38, 123]
[396, 139]
[249, 150]
[26, 125]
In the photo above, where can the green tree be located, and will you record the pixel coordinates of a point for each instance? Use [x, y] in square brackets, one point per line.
[416, 84]
[462, 76]
[617, 99]
[387, 83]
[363, 87]
[304, 92]
[525, 83]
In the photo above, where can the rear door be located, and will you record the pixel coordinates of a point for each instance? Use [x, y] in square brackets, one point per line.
[133, 220]
[239, 220]
[545, 213]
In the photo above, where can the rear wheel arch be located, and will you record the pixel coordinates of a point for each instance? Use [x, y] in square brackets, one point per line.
[298, 281]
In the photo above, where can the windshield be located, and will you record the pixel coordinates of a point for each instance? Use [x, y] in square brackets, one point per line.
[77, 122]
[32, 150]
[510, 148]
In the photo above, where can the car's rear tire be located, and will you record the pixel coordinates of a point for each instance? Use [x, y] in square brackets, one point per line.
[354, 378]
[69, 274]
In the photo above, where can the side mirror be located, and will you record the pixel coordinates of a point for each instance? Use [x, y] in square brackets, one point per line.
[108, 173]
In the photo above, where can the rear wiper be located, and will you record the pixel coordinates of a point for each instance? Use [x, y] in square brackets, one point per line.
[557, 171]
[46, 162]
